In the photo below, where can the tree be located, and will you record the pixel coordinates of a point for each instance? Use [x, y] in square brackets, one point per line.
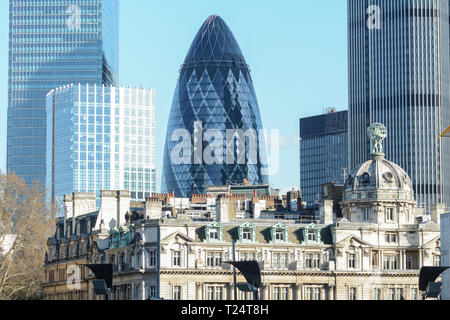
[26, 223]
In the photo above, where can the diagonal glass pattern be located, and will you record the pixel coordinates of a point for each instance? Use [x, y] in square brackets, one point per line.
[215, 88]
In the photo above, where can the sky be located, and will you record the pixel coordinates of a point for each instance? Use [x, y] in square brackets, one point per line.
[296, 49]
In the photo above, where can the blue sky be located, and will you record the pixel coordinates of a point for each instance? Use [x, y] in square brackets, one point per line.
[297, 50]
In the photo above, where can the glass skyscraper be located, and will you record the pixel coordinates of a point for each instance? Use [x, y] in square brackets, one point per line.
[53, 43]
[101, 138]
[323, 152]
[399, 75]
[215, 90]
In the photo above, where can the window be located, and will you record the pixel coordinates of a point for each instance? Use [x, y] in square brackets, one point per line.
[312, 235]
[280, 293]
[214, 259]
[366, 215]
[399, 294]
[214, 234]
[375, 260]
[391, 294]
[390, 262]
[279, 235]
[391, 238]
[312, 261]
[219, 293]
[276, 260]
[210, 293]
[309, 293]
[177, 293]
[409, 262]
[377, 294]
[247, 256]
[351, 261]
[247, 234]
[352, 293]
[284, 293]
[152, 292]
[317, 294]
[276, 293]
[152, 259]
[389, 214]
[280, 260]
[176, 258]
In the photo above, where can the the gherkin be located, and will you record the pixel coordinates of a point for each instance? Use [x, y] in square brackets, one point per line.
[216, 89]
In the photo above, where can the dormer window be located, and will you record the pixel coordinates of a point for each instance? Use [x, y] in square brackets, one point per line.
[311, 234]
[247, 232]
[213, 232]
[279, 233]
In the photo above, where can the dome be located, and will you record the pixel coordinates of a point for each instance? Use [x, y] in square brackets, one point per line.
[214, 43]
[378, 179]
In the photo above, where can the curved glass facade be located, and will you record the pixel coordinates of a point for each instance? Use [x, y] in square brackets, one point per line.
[214, 92]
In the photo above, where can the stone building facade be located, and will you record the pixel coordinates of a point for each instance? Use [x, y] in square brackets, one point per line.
[374, 252]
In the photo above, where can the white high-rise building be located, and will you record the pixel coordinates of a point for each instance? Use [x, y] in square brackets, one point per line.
[101, 138]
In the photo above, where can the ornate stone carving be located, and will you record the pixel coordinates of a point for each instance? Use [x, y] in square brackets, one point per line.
[377, 133]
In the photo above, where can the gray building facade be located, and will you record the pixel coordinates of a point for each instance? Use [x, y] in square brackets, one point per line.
[399, 75]
[323, 152]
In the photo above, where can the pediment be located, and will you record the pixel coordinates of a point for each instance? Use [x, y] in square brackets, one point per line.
[177, 237]
[279, 226]
[214, 224]
[247, 225]
[432, 243]
[312, 226]
[353, 241]
[343, 220]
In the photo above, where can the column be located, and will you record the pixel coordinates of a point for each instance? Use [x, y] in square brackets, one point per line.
[230, 291]
[266, 292]
[420, 258]
[291, 290]
[198, 287]
[143, 259]
[142, 293]
[298, 292]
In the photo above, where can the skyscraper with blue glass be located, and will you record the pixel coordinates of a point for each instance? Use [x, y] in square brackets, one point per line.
[101, 138]
[214, 92]
[323, 152]
[53, 43]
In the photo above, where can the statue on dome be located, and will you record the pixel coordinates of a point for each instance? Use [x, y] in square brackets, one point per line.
[377, 133]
